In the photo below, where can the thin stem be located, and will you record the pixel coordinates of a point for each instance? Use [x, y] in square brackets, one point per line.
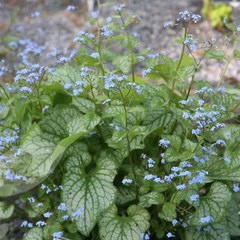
[181, 57]
[128, 141]
[227, 65]
[183, 48]
[130, 47]
[197, 67]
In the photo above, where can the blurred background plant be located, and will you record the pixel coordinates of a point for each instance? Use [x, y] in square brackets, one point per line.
[217, 13]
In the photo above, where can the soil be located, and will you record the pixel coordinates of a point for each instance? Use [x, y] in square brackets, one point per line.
[55, 27]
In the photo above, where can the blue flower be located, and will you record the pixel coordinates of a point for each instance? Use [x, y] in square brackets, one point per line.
[95, 55]
[207, 228]
[119, 8]
[184, 225]
[62, 207]
[186, 164]
[181, 187]
[24, 223]
[57, 234]
[126, 180]
[65, 217]
[31, 199]
[220, 142]
[145, 236]
[71, 8]
[145, 72]
[164, 143]
[176, 169]
[47, 214]
[185, 173]
[168, 24]
[236, 188]
[196, 131]
[94, 14]
[206, 219]
[26, 89]
[106, 32]
[196, 18]
[194, 197]
[158, 180]
[170, 235]
[150, 177]
[186, 16]
[174, 222]
[40, 223]
[109, 19]
[35, 14]
[78, 213]
[151, 163]
[30, 225]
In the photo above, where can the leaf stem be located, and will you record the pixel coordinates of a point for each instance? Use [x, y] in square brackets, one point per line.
[130, 47]
[183, 48]
[129, 146]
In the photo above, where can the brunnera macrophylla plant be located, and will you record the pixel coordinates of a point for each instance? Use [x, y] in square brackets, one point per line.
[92, 150]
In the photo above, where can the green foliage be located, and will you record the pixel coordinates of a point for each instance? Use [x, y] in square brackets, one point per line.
[111, 226]
[217, 13]
[96, 151]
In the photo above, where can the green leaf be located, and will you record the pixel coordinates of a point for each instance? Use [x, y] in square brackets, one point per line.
[6, 211]
[168, 212]
[152, 198]
[218, 169]
[3, 231]
[137, 135]
[91, 191]
[44, 150]
[216, 233]
[125, 195]
[236, 53]
[6, 189]
[231, 134]
[49, 229]
[232, 221]
[58, 119]
[63, 75]
[164, 70]
[35, 233]
[60, 98]
[4, 112]
[186, 61]
[111, 226]
[156, 118]
[33, 210]
[83, 124]
[83, 104]
[48, 141]
[55, 87]
[122, 63]
[216, 54]
[185, 72]
[114, 111]
[121, 138]
[164, 121]
[118, 140]
[213, 204]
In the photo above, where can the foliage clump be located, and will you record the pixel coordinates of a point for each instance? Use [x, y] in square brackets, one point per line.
[91, 150]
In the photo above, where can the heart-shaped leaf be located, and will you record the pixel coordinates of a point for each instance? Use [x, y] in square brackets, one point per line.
[111, 226]
[92, 192]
